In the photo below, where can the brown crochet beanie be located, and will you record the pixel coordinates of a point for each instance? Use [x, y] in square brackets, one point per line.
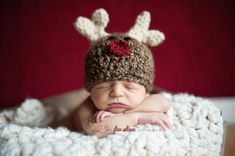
[119, 57]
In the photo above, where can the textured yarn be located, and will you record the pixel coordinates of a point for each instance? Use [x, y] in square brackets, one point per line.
[94, 29]
[196, 130]
[118, 56]
[101, 65]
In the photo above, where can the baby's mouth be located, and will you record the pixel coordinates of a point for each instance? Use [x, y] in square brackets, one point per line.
[117, 105]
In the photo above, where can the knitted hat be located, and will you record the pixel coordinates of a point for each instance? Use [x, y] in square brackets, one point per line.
[119, 56]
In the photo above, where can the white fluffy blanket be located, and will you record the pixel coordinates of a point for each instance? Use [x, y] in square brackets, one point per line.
[197, 129]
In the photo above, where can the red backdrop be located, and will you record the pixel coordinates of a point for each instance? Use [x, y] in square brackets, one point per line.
[41, 54]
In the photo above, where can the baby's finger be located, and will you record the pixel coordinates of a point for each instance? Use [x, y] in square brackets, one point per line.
[163, 125]
[97, 118]
[92, 118]
[166, 122]
[159, 123]
[102, 116]
[164, 118]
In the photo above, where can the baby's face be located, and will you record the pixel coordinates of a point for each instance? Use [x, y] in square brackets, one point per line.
[117, 96]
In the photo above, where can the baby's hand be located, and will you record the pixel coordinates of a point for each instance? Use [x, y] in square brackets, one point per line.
[99, 116]
[154, 118]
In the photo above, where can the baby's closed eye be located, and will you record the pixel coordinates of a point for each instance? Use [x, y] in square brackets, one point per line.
[131, 86]
[102, 87]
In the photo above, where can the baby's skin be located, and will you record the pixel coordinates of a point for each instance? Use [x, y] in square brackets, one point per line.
[152, 103]
[120, 104]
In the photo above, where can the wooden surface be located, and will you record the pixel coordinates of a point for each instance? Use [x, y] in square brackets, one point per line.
[229, 149]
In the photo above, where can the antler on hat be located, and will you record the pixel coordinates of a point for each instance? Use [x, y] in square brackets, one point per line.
[94, 29]
[140, 31]
[119, 56]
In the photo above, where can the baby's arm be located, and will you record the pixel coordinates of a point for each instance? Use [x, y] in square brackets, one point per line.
[86, 111]
[153, 103]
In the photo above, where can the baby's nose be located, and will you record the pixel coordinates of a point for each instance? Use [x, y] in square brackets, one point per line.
[117, 91]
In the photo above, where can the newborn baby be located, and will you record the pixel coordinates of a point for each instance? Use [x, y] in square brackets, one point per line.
[120, 104]
[119, 74]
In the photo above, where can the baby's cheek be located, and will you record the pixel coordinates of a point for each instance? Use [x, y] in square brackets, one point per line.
[139, 100]
[134, 103]
[100, 103]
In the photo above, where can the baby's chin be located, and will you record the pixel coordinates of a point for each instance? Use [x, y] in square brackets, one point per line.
[117, 110]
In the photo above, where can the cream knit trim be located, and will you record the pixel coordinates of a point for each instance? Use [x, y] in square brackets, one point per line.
[94, 29]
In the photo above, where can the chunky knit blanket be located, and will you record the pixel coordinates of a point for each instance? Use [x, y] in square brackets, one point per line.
[196, 129]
